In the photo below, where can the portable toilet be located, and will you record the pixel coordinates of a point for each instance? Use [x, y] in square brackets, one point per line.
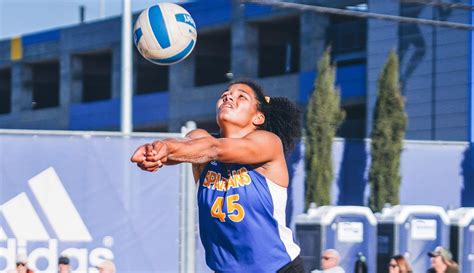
[462, 238]
[412, 231]
[351, 230]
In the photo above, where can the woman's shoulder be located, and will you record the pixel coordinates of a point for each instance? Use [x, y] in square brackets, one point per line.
[452, 269]
[263, 134]
[198, 133]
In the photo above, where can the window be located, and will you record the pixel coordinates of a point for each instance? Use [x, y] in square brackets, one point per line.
[354, 124]
[96, 76]
[212, 58]
[150, 77]
[279, 47]
[5, 91]
[347, 34]
[45, 84]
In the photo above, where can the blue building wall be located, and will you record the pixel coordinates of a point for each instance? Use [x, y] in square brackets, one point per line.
[434, 71]
[209, 14]
[147, 109]
[470, 77]
[41, 37]
[350, 79]
[93, 115]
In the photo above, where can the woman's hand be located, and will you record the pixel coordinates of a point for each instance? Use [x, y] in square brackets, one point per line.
[151, 157]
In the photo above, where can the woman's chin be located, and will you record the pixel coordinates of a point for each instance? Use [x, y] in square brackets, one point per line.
[223, 115]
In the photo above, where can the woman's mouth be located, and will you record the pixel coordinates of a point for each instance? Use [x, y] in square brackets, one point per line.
[226, 105]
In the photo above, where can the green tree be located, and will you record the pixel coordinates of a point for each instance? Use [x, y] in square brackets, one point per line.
[387, 136]
[323, 117]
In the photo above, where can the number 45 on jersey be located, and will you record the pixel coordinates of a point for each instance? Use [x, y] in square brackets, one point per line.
[235, 212]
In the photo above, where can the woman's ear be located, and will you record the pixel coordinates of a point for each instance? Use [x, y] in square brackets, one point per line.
[259, 119]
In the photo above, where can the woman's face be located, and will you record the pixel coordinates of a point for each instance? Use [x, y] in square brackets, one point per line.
[437, 262]
[64, 268]
[21, 267]
[393, 267]
[237, 105]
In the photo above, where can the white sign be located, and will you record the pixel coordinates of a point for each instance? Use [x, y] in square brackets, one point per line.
[350, 232]
[423, 229]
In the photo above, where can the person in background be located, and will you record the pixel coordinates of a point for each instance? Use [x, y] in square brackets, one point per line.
[442, 261]
[22, 264]
[106, 266]
[330, 262]
[398, 264]
[64, 265]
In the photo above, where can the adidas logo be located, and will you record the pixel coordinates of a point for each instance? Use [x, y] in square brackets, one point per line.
[23, 222]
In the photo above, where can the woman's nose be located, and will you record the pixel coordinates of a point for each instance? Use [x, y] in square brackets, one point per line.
[228, 98]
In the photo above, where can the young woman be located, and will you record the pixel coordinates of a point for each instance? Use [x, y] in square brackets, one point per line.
[442, 261]
[242, 178]
[398, 264]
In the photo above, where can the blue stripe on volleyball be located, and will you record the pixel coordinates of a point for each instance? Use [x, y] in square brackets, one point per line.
[185, 18]
[176, 57]
[137, 35]
[157, 23]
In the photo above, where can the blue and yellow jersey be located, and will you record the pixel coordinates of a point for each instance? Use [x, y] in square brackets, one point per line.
[242, 220]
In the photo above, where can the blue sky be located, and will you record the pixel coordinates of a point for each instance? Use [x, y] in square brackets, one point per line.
[19, 17]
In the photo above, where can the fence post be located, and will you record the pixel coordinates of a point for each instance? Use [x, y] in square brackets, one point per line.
[187, 204]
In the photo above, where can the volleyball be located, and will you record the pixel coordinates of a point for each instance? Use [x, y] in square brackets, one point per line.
[165, 33]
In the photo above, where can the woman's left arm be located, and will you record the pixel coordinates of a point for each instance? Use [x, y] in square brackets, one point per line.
[257, 147]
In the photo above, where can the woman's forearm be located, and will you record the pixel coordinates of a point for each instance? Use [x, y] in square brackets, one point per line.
[194, 151]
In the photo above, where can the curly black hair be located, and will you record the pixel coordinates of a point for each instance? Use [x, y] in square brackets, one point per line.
[282, 117]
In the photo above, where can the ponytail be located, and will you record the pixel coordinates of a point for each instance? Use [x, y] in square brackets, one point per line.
[282, 117]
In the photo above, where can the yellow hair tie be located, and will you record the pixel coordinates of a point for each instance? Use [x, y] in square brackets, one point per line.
[267, 99]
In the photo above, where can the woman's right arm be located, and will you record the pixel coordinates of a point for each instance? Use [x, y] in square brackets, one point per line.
[197, 167]
[151, 157]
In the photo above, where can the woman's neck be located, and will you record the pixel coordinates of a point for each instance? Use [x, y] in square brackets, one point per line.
[235, 132]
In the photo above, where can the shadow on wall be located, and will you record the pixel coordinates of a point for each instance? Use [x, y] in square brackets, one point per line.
[412, 45]
[467, 165]
[352, 175]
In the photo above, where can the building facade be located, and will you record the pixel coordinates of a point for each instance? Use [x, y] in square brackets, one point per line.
[69, 78]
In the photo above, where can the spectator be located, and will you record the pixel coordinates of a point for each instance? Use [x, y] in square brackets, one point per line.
[330, 262]
[106, 266]
[442, 261]
[64, 265]
[398, 264]
[22, 264]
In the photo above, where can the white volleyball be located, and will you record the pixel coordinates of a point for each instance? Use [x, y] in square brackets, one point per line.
[165, 33]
